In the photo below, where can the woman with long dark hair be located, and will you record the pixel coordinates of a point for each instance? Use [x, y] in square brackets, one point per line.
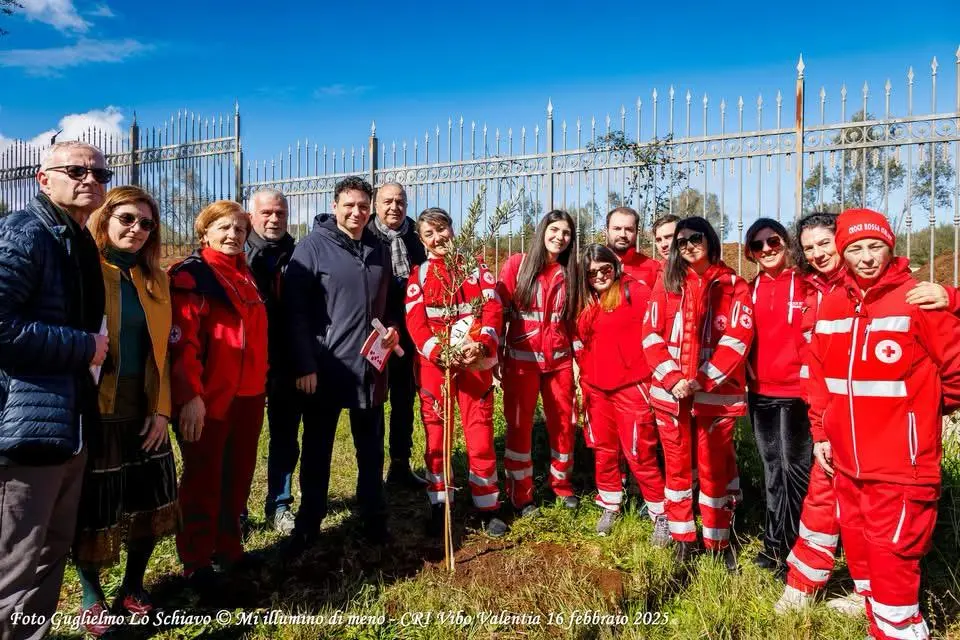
[776, 400]
[698, 329]
[539, 291]
[615, 380]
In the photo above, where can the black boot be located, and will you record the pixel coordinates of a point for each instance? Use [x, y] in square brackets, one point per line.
[435, 524]
[728, 557]
[686, 552]
[401, 475]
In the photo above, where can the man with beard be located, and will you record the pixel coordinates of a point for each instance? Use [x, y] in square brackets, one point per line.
[622, 227]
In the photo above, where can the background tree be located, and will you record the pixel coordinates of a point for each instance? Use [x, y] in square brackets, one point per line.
[6, 9]
[3, 207]
[691, 202]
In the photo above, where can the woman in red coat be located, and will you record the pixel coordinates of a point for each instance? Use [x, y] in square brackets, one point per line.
[539, 292]
[882, 372]
[219, 347]
[698, 328]
[615, 380]
[468, 318]
[777, 408]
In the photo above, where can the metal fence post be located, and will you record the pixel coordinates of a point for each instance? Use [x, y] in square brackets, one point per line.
[134, 148]
[374, 153]
[549, 155]
[237, 155]
[799, 127]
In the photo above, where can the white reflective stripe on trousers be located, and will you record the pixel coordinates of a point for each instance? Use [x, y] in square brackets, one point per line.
[676, 496]
[817, 576]
[709, 533]
[483, 482]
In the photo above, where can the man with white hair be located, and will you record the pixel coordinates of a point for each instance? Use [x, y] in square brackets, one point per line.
[269, 247]
[51, 311]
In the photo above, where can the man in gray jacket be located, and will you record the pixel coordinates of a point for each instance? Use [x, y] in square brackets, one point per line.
[51, 309]
[337, 282]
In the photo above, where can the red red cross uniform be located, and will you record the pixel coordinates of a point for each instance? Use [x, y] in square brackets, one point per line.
[812, 558]
[432, 314]
[615, 379]
[537, 361]
[701, 333]
[881, 373]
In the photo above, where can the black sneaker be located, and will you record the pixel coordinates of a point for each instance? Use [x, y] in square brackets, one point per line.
[764, 561]
[493, 526]
[205, 583]
[727, 557]
[686, 552]
[570, 502]
[435, 523]
[401, 475]
[299, 543]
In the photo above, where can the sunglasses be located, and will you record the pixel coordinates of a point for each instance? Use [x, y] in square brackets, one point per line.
[128, 220]
[694, 238]
[79, 173]
[604, 271]
[774, 242]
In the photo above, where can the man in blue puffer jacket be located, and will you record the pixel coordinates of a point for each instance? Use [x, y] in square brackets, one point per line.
[51, 309]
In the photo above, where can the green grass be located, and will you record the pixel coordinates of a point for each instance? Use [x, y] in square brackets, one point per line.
[552, 573]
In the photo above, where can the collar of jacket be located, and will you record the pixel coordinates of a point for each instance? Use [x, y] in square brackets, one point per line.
[896, 273]
[283, 245]
[713, 272]
[54, 218]
[202, 281]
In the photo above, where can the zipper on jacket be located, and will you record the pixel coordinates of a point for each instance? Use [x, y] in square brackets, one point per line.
[853, 356]
[634, 449]
[866, 339]
[913, 443]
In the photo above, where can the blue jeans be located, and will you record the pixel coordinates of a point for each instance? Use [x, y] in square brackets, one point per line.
[284, 410]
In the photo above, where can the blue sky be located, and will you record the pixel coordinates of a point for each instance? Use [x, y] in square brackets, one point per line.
[325, 70]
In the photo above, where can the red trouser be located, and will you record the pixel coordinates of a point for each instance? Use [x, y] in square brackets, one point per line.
[884, 555]
[812, 558]
[473, 393]
[622, 421]
[717, 466]
[520, 391]
[215, 484]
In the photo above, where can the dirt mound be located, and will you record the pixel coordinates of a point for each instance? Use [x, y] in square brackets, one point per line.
[515, 568]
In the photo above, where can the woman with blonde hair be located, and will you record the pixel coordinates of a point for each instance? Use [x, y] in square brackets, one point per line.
[129, 488]
[219, 346]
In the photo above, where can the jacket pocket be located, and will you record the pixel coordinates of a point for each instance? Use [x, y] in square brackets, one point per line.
[913, 535]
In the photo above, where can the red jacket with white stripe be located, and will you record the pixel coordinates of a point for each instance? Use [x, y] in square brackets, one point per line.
[703, 332]
[881, 374]
[817, 286]
[432, 311]
[612, 356]
[777, 353]
[537, 338]
[640, 267]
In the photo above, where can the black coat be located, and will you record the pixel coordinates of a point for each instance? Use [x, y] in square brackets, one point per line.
[268, 261]
[333, 288]
[51, 299]
[417, 255]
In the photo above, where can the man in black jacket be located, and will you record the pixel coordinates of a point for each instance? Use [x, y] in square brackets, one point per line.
[51, 311]
[269, 248]
[392, 225]
[337, 282]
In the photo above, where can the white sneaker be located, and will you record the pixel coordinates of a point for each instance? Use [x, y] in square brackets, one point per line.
[792, 600]
[852, 604]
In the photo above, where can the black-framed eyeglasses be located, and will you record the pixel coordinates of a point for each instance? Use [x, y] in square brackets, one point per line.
[774, 242]
[694, 238]
[604, 271]
[128, 220]
[79, 173]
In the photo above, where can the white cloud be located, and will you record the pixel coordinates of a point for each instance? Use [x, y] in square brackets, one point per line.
[102, 11]
[338, 90]
[74, 126]
[60, 14]
[45, 62]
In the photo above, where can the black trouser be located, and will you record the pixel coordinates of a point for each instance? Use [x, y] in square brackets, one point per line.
[320, 417]
[284, 410]
[403, 390]
[783, 437]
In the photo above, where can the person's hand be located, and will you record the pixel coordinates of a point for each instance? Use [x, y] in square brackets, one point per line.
[154, 432]
[191, 419]
[929, 296]
[390, 339]
[681, 390]
[470, 354]
[694, 386]
[824, 456]
[307, 384]
[100, 353]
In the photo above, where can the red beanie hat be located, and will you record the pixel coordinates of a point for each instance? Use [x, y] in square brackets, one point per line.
[857, 224]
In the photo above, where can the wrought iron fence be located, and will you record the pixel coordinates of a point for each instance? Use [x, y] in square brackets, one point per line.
[669, 152]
